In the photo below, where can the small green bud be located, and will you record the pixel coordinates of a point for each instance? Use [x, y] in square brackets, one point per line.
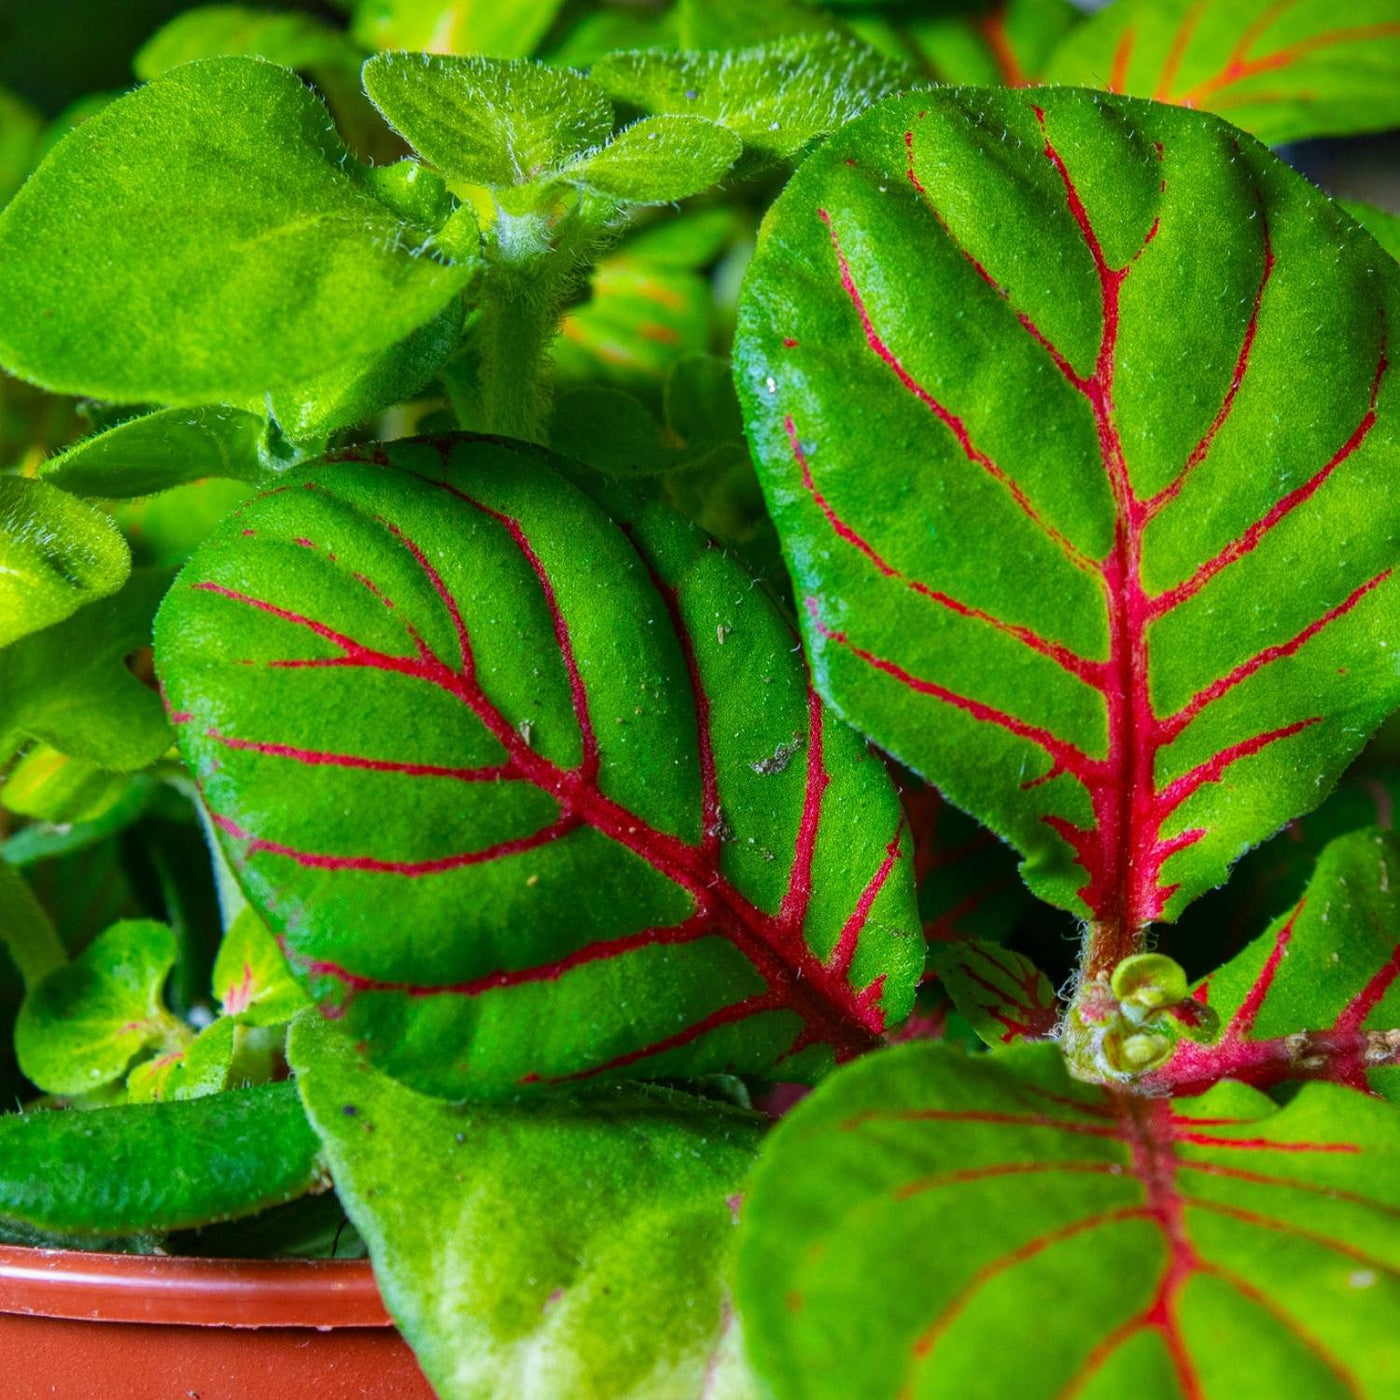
[1149, 981]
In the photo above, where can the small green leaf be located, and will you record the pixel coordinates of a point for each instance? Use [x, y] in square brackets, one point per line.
[252, 981]
[297, 41]
[52, 787]
[660, 159]
[1282, 71]
[156, 451]
[156, 1167]
[234, 247]
[569, 1247]
[56, 554]
[488, 28]
[776, 98]
[1004, 995]
[1149, 981]
[21, 132]
[572, 747]
[949, 362]
[70, 685]
[26, 933]
[489, 121]
[1038, 1238]
[202, 1067]
[86, 1021]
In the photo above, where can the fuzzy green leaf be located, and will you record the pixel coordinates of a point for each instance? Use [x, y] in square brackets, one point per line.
[156, 1167]
[776, 98]
[233, 248]
[1315, 996]
[202, 1067]
[1009, 414]
[1004, 995]
[1282, 71]
[568, 1247]
[86, 1021]
[159, 450]
[252, 981]
[490, 28]
[579, 759]
[70, 685]
[660, 159]
[1146, 1247]
[489, 121]
[56, 553]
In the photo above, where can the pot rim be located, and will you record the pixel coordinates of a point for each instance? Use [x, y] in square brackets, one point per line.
[174, 1290]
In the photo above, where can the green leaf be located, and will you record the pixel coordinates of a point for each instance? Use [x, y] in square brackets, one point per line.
[86, 1021]
[1009, 415]
[576, 755]
[153, 452]
[1382, 225]
[25, 931]
[729, 24]
[252, 981]
[566, 1247]
[52, 787]
[40, 841]
[988, 43]
[1212, 1246]
[21, 130]
[297, 41]
[1004, 995]
[156, 1167]
[234, 248]
[1315, 995]
[491, 28]
[202, 1067]
[776, 98]
[70, 686]
[489, 121]
[1282, 71]
[56, 554]
[163, 529]
[660, 159]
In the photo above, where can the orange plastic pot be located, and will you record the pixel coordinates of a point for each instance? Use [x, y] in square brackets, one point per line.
[75, 1326]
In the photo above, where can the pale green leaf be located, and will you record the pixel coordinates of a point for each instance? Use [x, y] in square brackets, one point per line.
[660, 159]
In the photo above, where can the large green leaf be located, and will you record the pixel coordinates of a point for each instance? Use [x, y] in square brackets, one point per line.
[578, 759]
[562, 1247]
[156, 1167]
[1010, 364]
[206, 238]
[929, 1226]
[1281, 70]
[71, 686]
[1315, 996]
[56, 553]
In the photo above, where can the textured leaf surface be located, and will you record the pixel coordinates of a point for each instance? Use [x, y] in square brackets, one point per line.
[86, 1021]
[1003, 994]
[1167, 1251]
[56, 553]
[156, 1167]
[202, 1067]
[70, 685]
[775, 98]
[1283, 69]
[660, 159]
[232, 249]
[1315, 996]
[251, 978]
[579, 761]
[530, 1252]
[491, 28]
[489, 121]
[1028, 527]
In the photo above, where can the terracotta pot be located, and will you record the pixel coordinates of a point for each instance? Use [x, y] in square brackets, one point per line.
[77, 1326]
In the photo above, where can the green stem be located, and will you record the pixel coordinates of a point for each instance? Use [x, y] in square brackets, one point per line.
[516, 326]
[25, 931]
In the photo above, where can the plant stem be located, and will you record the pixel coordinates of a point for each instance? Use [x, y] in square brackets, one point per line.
[25, 931]
[514, 331]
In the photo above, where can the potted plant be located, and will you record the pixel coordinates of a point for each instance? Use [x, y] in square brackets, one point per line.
[472, 762]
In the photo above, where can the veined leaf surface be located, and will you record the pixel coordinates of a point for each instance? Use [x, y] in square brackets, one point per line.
[1283, 69]
[1076, 416]
[575, 757]
[1037, 1237]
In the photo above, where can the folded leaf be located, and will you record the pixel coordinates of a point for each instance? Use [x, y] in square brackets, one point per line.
[52, 787]
[70, 685]
[1004, 995]
[1040, 1238]
[660, 159]
[566, 1247]
[491, 28]
[1282, 71]
[56, 553]
[576, 756]
[489, 121]
[776, 98]
[156, 1167]
[232, 249]
[1009, 392]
